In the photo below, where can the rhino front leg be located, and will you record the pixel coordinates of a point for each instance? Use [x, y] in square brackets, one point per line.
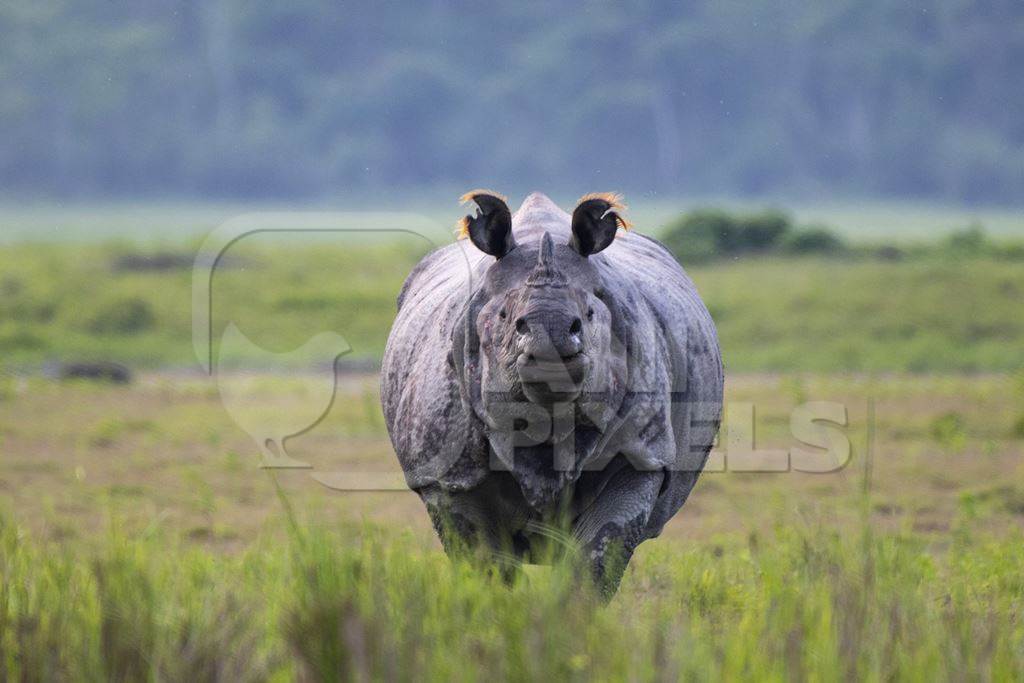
[614, 525]
[469, 523]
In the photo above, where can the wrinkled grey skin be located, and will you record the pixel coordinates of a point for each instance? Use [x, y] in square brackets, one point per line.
[549, 389]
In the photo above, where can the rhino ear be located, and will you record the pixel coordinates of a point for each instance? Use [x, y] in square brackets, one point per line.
[491, 228]
[595, 220]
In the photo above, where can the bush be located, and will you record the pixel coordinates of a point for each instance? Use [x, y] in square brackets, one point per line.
[124, 316]
[705, 234]
[973, 242]
[697, 236]
[970, 240]
[761, 231]
[814, 240]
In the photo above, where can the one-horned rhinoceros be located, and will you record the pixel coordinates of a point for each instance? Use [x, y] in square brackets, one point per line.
[550, 374]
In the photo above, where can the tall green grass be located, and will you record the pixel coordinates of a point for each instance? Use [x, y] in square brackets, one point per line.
[803, 603]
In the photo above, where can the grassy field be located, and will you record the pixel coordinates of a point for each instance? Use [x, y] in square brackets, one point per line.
[132, 304]
[139, 540]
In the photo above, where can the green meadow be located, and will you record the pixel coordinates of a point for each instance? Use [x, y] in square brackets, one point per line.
[139, 540]
[927, 312]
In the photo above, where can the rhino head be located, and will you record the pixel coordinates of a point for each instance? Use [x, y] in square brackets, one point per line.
[540, 349]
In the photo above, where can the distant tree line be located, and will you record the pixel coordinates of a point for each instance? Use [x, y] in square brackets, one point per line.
[709, 234]
[230, 98]
[706, 234]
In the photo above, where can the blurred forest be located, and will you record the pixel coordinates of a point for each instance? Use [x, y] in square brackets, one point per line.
[313, 98]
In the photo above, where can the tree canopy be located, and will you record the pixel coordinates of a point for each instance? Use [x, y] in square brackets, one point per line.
[307, 98]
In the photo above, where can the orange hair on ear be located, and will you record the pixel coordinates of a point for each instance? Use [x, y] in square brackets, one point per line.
[462, 225]
[617, 205]
[468, 197]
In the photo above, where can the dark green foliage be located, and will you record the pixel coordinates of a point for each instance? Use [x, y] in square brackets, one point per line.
[973, 241]
[815, 240]
[705, 234]
[127, 316]
[970, 240]
[697, 236]
[761, 231]
[318, 98]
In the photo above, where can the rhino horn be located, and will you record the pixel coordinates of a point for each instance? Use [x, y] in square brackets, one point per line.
[546, 254]
[546, 273]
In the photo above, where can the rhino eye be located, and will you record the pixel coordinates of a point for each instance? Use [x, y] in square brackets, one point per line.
[502, 314]
[590, 314]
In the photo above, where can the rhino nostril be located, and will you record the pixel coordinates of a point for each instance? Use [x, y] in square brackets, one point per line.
[576, 327]
[521, 326]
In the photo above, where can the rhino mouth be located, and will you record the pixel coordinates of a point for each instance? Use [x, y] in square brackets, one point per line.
[552, 380]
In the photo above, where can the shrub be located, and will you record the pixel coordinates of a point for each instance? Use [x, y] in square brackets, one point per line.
[705, 234]
[970, 240]
[761, 231]
[124, 316]
[698, 235]
[973, 241]
[814, 240]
